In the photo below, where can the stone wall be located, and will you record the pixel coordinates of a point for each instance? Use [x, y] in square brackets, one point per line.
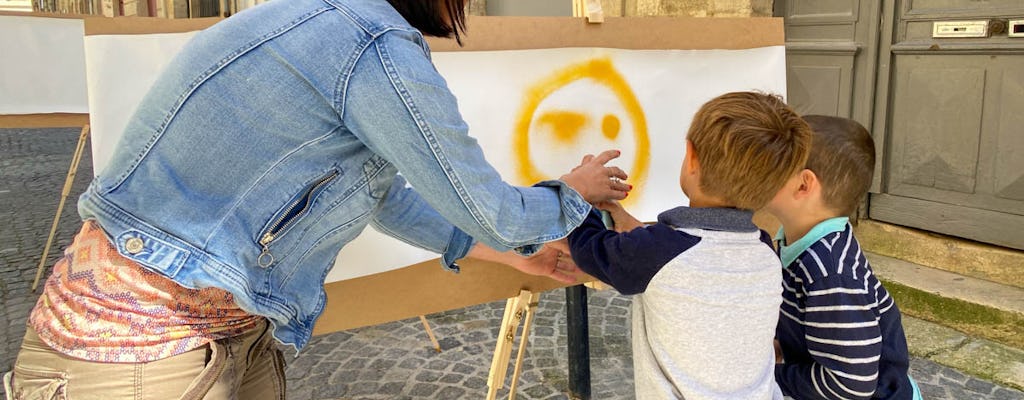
[693, 8]
[476, 7]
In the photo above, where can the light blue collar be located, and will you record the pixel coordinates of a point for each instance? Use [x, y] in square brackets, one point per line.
[789, 253]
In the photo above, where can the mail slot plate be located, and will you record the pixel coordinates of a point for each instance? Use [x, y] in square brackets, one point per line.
[960, 29]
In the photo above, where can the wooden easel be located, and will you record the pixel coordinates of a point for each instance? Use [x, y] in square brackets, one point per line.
[517, 309]
[54, 120]
[68, 182]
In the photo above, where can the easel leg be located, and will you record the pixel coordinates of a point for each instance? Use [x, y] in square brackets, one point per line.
[72, 171]
[430, 333]
[515, 308]
[579, 342]
[530, 311]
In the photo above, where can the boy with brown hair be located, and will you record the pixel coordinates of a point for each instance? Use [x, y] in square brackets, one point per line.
[839, 331]
[706, 278]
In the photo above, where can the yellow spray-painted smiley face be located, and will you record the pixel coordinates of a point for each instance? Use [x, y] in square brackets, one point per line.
[553, 129]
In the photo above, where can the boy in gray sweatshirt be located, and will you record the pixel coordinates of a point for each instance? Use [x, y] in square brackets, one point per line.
[706, 278]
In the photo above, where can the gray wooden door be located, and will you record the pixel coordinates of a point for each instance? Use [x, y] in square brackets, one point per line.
[831, 52]
[947, 114]
[950, 112]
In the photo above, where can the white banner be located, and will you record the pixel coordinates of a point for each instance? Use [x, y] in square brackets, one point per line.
[42, 65]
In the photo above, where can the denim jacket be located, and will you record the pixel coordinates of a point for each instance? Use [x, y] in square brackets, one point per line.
[278, 134]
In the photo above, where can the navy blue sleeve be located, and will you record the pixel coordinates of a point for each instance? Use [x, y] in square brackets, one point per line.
[626, 261]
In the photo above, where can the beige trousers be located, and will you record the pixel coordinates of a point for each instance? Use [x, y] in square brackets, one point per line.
[247, 366]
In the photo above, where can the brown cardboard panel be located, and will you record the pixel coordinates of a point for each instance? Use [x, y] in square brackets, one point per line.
[55, 120]
[422, 289]
[518, 33]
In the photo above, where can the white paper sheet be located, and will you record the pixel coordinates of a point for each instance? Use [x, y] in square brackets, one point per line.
[599, 88]
[42, 65]
[534, 112]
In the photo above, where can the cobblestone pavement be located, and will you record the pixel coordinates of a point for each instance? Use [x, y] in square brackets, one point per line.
[396, 360]
[389, 361]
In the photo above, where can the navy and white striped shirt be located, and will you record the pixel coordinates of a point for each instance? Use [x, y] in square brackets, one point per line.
[840, 331]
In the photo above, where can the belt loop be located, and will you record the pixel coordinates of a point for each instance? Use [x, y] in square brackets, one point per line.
[210, 374]
[9, 392]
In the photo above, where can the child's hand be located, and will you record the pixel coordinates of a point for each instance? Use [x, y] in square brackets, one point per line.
[596, 182]
[624, 222]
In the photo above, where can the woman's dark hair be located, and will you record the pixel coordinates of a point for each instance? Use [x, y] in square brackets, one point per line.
[441, 18]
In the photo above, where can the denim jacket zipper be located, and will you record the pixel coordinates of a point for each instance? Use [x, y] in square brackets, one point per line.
[292, 213]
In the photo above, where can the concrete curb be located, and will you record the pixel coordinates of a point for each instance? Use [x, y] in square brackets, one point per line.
[964, 257]
[979, 357]
[947, 284]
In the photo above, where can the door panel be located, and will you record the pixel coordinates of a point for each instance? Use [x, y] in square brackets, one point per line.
[938, 115]
[1009, 160]
[953, 123]
[817, 89]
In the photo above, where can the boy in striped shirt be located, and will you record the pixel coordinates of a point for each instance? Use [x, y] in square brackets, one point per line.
[839, 331]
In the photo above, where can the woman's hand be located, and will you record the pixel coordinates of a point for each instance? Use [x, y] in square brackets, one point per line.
[596, 182]
[624, 221]
[549, 261]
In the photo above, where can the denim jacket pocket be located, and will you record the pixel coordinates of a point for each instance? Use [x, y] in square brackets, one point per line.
[147, 250]
[293, 211]
[30, 383]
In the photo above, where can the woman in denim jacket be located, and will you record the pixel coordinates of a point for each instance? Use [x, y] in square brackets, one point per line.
[269, 143]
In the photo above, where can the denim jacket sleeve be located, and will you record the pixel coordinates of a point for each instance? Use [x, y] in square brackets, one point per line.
[399, 106]
[405, 216]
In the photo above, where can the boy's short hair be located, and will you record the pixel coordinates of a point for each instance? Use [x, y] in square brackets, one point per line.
[748, 145]
[843, 159]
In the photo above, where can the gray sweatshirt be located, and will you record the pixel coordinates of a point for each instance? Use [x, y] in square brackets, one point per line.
[708, 293]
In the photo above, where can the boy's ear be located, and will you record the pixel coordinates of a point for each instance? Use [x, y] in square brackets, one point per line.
[809, 184]
[691, 164]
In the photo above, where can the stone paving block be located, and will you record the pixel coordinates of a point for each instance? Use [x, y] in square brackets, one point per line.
[929, 391]
[473, 382]
[428, 376]
[423, 390]
[391, 388]
[1006, 394]
[979, 386]
[345, 375]
[925, 338]
[988, 360]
